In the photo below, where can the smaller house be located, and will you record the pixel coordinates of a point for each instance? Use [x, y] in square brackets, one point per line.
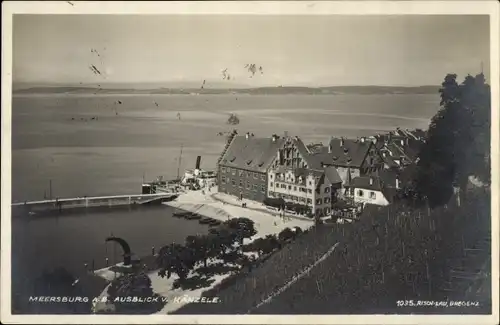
[371, 189]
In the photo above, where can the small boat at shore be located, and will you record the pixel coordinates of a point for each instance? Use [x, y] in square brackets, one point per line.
[206, 220]
[195, 216]
[191, 216]
[214, 223]
[180, 214]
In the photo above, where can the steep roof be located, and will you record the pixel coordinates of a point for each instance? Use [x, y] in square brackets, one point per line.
[363, 182]
[252, 153]
[332, 174]
[350, 153]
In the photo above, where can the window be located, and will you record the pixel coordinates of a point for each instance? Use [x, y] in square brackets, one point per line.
[223, 179]
[248, 185]
[295, 198]
[271, 176]
[309, 191]
[270, 184]
[233, 171]
[309, 201]
[233, 181]
[360, 193]
[372, 195]
[255, 188]
[289, 187]
[241, 183]
[302, 199]
[295, 188]
[241, 172]
[310, 183]
[317, 191]
[271, 194]
[263, 177]
[223, 169]
[283, 186]
[327, 200]
[327, 210]
[263, 187]
[327, 190]
[318, 201]
[255, 175]
[302, 189]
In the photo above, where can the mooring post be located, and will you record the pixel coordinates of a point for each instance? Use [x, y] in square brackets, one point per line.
[107, 262]
[85, 266]
[153, 251]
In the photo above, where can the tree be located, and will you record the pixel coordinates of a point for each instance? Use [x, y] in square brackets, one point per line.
[267, 244]
[456, 145]
[175, 258]
[223, 238]
[286, 234]
[242, 227]
[202, 247]
[131, 285]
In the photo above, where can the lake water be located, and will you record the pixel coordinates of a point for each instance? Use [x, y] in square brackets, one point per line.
[110, 155]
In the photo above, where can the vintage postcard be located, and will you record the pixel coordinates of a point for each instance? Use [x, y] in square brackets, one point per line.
[250, 162]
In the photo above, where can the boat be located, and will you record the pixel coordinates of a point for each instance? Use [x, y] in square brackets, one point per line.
[195, 216]
[180, 214]
[206, 220]
[215, 222]
[190, 216]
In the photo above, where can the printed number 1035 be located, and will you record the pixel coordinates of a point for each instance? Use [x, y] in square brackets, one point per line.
[405, 303]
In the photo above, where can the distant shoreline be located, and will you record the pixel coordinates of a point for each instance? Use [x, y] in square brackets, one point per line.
[340, 90]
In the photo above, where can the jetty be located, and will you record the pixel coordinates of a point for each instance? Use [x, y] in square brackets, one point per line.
[91, 202]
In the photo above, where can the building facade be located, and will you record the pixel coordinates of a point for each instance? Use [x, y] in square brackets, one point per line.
[311, 188]
[243, 166]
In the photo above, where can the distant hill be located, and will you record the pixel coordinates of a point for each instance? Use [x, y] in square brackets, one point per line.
[336, 90]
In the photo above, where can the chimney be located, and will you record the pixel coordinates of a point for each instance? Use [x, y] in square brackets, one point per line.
[341, 141]
[198, 162]
[362, 139]
[371, 181]
[274, 137]
[397, 181]
[402, 143]
[329, 148]
[247, 135]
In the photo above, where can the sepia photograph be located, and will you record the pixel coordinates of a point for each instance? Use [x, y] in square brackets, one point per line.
[246, 160]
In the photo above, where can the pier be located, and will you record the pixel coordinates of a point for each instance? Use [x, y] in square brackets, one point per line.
[91, 202]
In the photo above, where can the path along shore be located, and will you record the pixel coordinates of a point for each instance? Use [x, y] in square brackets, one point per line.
[221, 207]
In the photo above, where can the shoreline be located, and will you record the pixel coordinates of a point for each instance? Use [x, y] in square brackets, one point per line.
[206, 205]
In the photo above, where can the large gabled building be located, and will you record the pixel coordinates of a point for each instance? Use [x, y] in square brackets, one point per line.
[243, 166]
[299, 177]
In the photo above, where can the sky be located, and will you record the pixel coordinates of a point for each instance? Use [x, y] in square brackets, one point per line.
[325, 50]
